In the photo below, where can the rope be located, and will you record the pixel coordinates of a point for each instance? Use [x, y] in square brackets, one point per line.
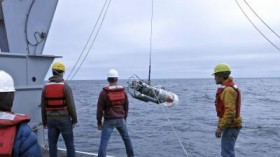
[256, 26]
[171, 125]
[41, 125]
[261, 19]
[92, 41]
[151, 35]
[149, 82]
[83, 108]
[89, 40]
[175, 132]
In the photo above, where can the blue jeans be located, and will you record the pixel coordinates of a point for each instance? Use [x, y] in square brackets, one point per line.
[107, 129]
[63, 126]
[228, 141]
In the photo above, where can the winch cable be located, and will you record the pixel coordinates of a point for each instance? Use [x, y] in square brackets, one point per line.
[256, 26]
[87, 40]
[37, 126]
[172, 127]
[175, 132]
[91, 44]
[151, 40]
[261, 19]
[92, 41]
[149, 83]
[41, 125]
[90, 37]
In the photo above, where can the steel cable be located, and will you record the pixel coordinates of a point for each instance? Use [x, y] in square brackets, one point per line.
[256, 26]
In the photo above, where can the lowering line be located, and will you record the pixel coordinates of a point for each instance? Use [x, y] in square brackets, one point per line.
[149, 83]
[41, 125]
[143, 90]
[261, 19]
[256, 26]
[173, 129]
[175, 132]
[93, 41]
[35, 128]
[151, 37]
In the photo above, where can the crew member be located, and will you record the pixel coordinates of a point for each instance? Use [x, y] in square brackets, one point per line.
[59, 111]
[16, 137]
[113, 106]
[228, 104]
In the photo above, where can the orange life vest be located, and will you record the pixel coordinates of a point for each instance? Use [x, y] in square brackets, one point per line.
[8, 129]
[54, 96]
[220, 107]
[116, 95]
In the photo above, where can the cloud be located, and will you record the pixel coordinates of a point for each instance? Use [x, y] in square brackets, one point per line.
[189, 38]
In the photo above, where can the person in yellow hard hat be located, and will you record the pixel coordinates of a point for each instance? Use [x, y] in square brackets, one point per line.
[228, 104]
[59, 111]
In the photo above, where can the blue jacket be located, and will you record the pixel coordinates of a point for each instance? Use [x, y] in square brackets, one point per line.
[25, 144]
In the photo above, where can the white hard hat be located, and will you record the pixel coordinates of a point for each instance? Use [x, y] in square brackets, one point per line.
[6, 82]
[113, 73]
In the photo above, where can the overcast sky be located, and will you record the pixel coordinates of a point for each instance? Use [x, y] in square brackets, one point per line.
[189, 38]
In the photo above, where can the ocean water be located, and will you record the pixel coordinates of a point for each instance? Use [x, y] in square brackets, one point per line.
[194, 120]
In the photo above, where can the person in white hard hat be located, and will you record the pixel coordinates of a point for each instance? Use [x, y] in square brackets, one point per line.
[16, 137]
[113, 107]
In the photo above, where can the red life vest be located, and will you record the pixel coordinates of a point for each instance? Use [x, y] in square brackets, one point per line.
[220, 107]
[8, 128]
[54, 96]
[116, 95]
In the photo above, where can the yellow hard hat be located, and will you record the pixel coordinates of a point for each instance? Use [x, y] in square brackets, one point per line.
[58, 66]
[221, 68]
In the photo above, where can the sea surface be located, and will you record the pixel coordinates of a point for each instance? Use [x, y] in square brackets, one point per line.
[194, 120]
